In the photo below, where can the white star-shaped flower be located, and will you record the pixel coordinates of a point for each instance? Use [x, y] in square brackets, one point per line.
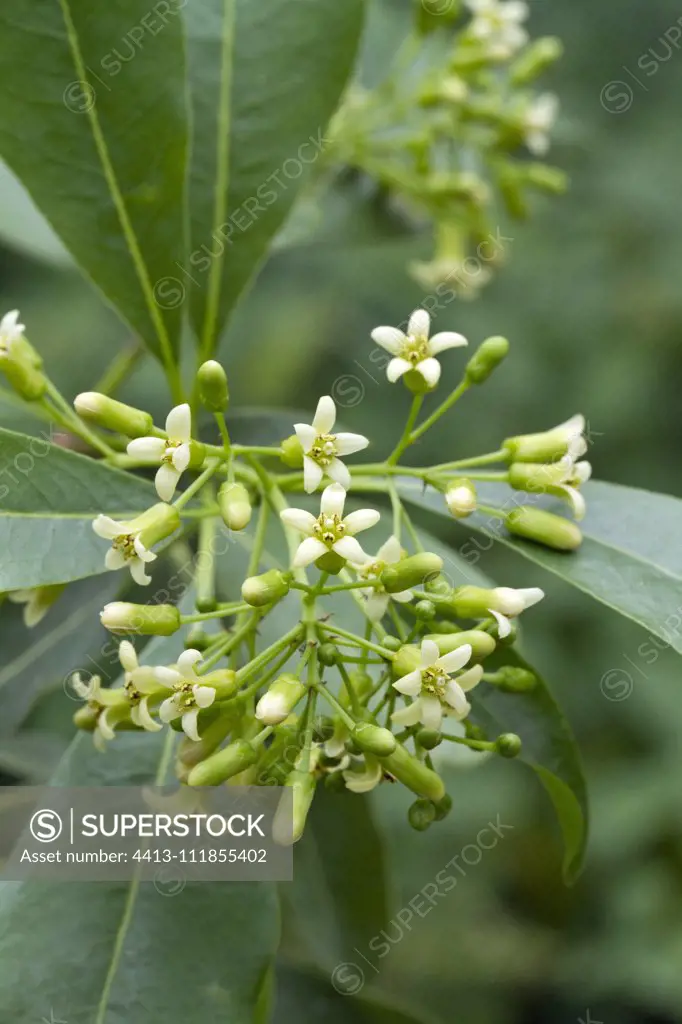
[510, 602]
[415, 350]
[499, 25]
[10, 331]
[126, 547]
[330, 531]
[377, 599]
[538, 122]
[323, 450]
[139, 682]
[172, 452]
[434, 691]
[190, 695]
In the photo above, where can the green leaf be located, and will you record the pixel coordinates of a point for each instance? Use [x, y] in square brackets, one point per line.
[96, 130]
[265, 79]
[630, 559]
[107, 953]
[48, 499]
[23, 228]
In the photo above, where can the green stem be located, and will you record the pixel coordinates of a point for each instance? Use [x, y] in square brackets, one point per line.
[196, 485]
[351, 692]
[221, 612]
[440, 411]
[334, 704]
[476, 460]
[288, 640]
[408, 436]
[119, 368]
[228, 643]
[224, 433]
[383, 652]
[64, 414]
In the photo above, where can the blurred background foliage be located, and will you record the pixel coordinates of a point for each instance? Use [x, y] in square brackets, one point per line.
[591, 302]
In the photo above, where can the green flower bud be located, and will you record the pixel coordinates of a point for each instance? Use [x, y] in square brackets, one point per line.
[410, 572]
[191, 753]
[460, 498]
[414, 774]
[220, 767]
[535, 59]
[25, 379]
[508, 745]
[235, 506]
[486, 358]
[372, 739]
[157, 523]
[146, 619]
[328, 654]
[259, 591]
[535, 477]
[86, 718]
[443, 807]
[213, 390]
[198, 639]
[391, 643]
[482, 644]
[421, 815]
[429, 739]
[286, 830]
[549, 445]
[513, 679]
[292, 452]
[224, 682]
[544, 528]
[280, 699]
[106, 412]
[425, 610]
[438, 586]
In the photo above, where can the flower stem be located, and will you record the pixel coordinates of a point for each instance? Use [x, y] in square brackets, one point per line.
[383, 652]
[408, 436]
[196, 485]
[440, 411]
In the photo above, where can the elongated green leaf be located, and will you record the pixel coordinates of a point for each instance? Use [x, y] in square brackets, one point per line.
[265, 79]
[48, 499]
[95, 128]
[23, 228]
[630, 559]
[102, 953]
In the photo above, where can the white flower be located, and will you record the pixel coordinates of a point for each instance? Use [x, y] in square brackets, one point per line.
[10, 331]
[434, 691]
[366, 780]
[330, 531]
[576, 474]
[377, 598]
[190, 695]
[126, 547]
[414, 350]
[510, 602]
[322, 449]
[499, 25]
[139, 682]
[100, 700]
[37, 602]
[172, 452]
[538, 122]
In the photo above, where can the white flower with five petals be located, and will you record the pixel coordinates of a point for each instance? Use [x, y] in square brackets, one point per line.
[377, 599]
[330, 531]
[190, 696]
[415, 350]
[323, 450]
[499, 25]
[126, 547]
[173, 452]
[139, 682]
[434, 692]
[10, 331]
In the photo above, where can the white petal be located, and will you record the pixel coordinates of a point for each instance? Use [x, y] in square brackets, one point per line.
[430, 371]
[349, 444]
[325, 415]
[167, 676]
[582, 472]
[86, 691]
[104, 728]
[396, 368]
[169, 710]
[429, 653]
[503, 623]
[108, 528]
[410, 685]
[186, 662]
[350, 549]
[309, 551]
[363, 782]
[145, 719]
[333, 500]
[445, 340]
[127, 656]
[138, 573]
[142, 552]
[454, 695]
[431, 712]
[537, 142]
[455, 659]
[389, 338]
[114, 559]
[376, 606]
[470, 678]
[299, 519]
[530, 596]
[148, 449]
[204, 695]
[363, 519]
[339, 473]
[166, 480]
[181, 457]
[516, 10]
[391, 551]
[312, 475]
[419, 324]
[575, 500]
[409, 715]
[179, 423]
[190, 725]
[403, 597]
[306, 435]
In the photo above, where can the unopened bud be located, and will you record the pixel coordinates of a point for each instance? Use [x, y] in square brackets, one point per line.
[235, 506]
[566, 439]
[106, 412]
[513, 679]
[280, 699]
[443, 807]
[429, 739]
[145, 619]
[425, 610]
[536, 477]
[410, 572]
[157, 523]
[260, 591]
[372, 739]
[414, 774]
[220, 767]
[287, 827]
[486, 358]
[198, 639]
[421, 815]
[213, 390]
[26, 379]
[544, 528]
[482, 644]
[535, 59]
[328, 654]
[292, 452]
[460, 498]
[508, 745]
